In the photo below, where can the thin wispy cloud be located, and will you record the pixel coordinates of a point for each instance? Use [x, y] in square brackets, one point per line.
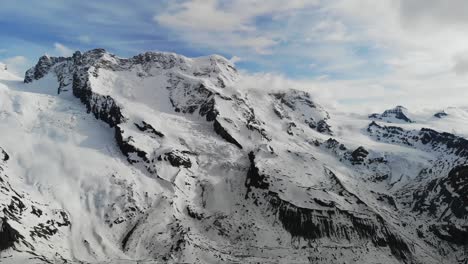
[16, 64]
[62, 50]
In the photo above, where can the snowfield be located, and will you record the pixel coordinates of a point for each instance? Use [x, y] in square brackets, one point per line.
[162, 158]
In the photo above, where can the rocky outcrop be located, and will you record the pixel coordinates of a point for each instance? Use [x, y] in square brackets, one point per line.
[326, 219]
[429, 138]
[359, 155]
[127, 148]
[42, 68]
[5, 157]
[298, 106]
[222, 132]
[254, 178]
[456, 145]
[398, 113]
[441, 114]
[323, 127]
[315, 224]
[208, 110]
[8, 235]
[446, 200]
[178, 158]
[147, 128]
[103, 107]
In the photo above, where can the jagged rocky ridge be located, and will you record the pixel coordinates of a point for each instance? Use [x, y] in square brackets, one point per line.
[397, 114]
[238, 180]
[441, 194]
[330, 220]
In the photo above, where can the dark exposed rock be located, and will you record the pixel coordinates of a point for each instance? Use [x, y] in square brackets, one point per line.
[193, 95]
[15, 208]
[289, 130]
[126, 147]
[251, 121]
[379, 178]
[445, 200]
[36, 211]
[157, 60]
[127, 236]
[192, 213]
[393, 134]
[42, 67]
[8, 235]
[145, 127]
[430, 138]
[299, 104]
[458, 145]
[221, 131]
[279, 111]
[334, 144]
[359, 155]
[254, 178]
[178, 159]
[296, 96]
[208, 109]
[103, 107]
[323, 127]
[451, 191]
[387, 199]
[65, 219]
[314, 224]
[44, 230]
[440, 114]
[452, 233]
[328, 222]
[5, 155]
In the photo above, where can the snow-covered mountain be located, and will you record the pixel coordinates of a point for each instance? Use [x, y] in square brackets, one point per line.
[163, 158]
[399, 114]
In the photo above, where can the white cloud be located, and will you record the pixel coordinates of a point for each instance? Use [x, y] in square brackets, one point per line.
[366, 96]
[227, 24]
[235, 59]
[17, 64]
[62, 50]
[422, 47]
[461, 63]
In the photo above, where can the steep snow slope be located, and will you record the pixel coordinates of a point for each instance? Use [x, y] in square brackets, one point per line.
[5, 74]
[176, 163]
[68, 158]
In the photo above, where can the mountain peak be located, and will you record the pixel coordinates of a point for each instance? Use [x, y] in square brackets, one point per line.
[397, 114]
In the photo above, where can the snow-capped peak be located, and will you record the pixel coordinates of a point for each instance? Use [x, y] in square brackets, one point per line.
[397, 114]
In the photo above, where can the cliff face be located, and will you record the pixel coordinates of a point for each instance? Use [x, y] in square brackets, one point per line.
[325, 217]
[166, 158]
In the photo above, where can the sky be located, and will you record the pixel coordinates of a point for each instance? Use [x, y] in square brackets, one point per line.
[365, 54]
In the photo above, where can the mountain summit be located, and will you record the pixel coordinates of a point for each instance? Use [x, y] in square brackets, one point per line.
[395, 115]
